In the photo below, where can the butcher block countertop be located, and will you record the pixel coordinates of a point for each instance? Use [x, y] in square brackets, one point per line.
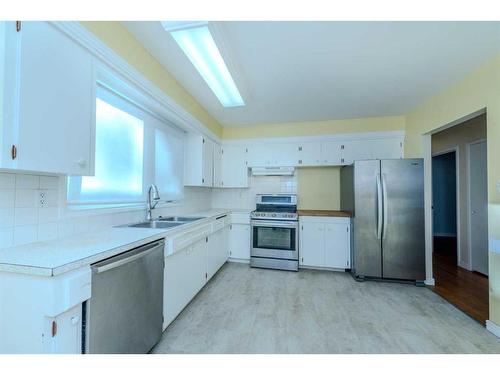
[332, 213]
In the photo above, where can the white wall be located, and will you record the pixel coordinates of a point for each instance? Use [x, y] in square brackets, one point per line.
[245, 198]
[23, 220]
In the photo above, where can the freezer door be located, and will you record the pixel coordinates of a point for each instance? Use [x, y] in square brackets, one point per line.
[403, 246]
[367, 242]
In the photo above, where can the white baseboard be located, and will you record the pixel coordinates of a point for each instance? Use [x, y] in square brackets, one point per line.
[465, 265]
[493, 328]
[237, 260]
[430, 282]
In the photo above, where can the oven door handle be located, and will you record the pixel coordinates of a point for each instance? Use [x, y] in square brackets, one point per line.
[261, 223]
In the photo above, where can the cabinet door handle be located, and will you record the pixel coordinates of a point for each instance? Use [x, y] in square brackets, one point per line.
[13, 152]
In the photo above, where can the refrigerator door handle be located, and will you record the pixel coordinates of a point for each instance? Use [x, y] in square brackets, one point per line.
[379, 207]
[384, 200]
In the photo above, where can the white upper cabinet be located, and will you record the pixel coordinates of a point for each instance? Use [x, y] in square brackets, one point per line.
[383, 148]
[50, 127]
[199, 161]
[217, 179]
[234, 168]
[264, 154]
[331, 153]
[308, 153]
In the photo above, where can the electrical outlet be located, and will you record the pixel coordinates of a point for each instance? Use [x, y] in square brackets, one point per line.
[42, 198]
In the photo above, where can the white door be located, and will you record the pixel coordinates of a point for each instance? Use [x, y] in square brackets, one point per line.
[217, 157]
[386, 148]
[56, 102]
[239, 241]
[208, 162]
[175, 295]
[356, 150]
[68, 338]
[478, 214]
[337, 245]
[331, 153]
[259, 154]
[312, 244]
[234, 167]
[216, 252]
[284, 154]
[309, 153]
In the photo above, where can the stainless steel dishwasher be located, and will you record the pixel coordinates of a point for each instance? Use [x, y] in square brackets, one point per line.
[125, 311]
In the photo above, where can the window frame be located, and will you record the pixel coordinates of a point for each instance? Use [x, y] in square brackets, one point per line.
[132, 101]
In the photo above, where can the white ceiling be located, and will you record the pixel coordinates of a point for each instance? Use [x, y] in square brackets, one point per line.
[309, 71]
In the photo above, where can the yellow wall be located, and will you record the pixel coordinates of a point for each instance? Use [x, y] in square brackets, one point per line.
[124, 44]
[319, 188]
[481, 89]
[297, 129]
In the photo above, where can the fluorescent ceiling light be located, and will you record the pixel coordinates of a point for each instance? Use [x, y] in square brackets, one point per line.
[197, 43]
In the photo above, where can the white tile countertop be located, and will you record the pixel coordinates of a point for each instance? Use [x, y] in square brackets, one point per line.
[54, 257]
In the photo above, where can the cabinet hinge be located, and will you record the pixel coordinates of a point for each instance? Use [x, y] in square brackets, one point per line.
[18, 26]
[246, 162]
[246, 149]
[300, 148]
[341, 160]
[203, 140]
[206, 275]
[222, 151]
[13, 152]
[54, 328]
[342, 147]
[202, 180]
[206, 239]
[302, 227]
[230, 226]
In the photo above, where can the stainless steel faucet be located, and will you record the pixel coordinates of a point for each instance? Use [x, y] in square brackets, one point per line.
[156, 198]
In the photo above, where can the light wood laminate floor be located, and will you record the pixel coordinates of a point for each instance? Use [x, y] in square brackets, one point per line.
[248, 310]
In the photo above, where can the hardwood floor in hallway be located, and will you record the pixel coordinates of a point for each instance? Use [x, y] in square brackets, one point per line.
[467, 290]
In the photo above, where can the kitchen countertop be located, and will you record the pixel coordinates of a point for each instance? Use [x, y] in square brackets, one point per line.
[54, 257]
[333, 213]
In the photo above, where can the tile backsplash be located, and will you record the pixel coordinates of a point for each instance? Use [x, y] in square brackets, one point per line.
[245, 198]
[30, 210]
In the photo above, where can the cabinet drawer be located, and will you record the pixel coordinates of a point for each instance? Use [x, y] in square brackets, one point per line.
[218, 224]
[187, 238]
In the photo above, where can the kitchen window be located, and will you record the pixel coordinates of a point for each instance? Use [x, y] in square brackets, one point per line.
[133, 149]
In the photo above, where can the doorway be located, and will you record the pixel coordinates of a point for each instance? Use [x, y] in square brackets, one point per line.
[459, 216]
[444, 200]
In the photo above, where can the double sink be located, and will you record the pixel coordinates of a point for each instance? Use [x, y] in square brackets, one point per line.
[166, 222]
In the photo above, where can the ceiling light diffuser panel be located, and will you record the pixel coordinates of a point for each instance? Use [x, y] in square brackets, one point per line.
[197, 43]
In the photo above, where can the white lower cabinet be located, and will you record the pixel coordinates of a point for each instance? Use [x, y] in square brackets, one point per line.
[239, 242]
[324, 242]
[184, 276]
[239, 237]
[216, 252]
[68, 332]
[189, 269]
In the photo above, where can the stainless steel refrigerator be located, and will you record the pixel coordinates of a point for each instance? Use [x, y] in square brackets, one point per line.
[387, 201]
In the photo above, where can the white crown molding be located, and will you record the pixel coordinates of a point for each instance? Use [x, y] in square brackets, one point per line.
[176, 113]
[323, 138]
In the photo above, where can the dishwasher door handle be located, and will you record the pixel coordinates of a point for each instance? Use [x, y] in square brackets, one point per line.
[138, 253]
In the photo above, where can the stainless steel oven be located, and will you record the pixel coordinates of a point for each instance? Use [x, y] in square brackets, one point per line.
[274, 232]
